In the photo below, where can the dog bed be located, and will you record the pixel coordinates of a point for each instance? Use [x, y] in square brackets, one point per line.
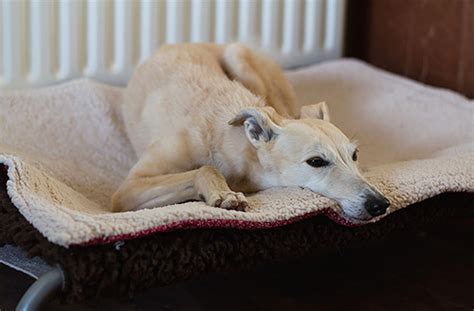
[64, 151]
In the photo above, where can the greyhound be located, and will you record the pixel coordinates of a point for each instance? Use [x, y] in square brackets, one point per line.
[211, 122]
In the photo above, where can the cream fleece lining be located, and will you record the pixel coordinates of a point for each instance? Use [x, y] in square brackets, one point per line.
[66, 152]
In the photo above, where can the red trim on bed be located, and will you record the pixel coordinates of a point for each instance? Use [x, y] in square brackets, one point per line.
[218, 223]
[211, 223]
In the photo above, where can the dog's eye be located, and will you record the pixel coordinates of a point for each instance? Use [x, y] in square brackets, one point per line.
[317, 162]
[354, 155]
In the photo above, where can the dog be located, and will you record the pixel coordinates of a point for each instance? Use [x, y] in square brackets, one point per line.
[211, 122]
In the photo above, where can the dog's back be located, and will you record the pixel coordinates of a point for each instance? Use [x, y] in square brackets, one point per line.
[185, 89]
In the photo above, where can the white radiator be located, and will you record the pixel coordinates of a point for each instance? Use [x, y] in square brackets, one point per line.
[47, 41]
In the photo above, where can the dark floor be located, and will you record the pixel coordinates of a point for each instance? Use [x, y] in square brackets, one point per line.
[433, 270]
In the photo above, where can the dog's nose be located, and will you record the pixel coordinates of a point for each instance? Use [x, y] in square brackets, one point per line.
[376, 205]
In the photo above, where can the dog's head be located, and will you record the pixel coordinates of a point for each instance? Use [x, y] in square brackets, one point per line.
[311, 152]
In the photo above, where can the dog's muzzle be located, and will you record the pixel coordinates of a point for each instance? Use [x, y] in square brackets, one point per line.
[376, 205]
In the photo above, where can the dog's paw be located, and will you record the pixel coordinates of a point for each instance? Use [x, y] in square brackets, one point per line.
[228, 200]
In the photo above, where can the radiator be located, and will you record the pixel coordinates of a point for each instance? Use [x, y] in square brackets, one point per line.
[47, 41]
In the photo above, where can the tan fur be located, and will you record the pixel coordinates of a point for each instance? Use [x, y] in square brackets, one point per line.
[204, 117]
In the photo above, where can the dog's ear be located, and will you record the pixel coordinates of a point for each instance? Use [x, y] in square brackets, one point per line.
[315, 111]
[259, 123]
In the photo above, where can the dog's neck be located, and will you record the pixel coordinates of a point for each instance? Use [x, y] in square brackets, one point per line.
[243, 168]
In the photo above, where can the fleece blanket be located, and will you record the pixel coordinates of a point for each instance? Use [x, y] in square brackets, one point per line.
[66, 151]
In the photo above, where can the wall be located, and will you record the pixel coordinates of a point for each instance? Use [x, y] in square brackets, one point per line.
[431, 41]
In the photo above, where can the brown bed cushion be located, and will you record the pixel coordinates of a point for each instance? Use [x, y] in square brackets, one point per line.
[125, 268]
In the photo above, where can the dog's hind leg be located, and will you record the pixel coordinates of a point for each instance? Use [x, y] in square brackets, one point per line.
[262, 76]
[239, 64]
[205, 183]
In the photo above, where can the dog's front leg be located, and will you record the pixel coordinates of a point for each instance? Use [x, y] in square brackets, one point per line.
[211, 187]
[205, 183]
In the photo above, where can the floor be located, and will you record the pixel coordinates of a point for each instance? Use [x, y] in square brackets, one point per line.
[433, 270]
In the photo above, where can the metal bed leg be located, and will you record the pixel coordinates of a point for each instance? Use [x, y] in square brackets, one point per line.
[40, 290]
